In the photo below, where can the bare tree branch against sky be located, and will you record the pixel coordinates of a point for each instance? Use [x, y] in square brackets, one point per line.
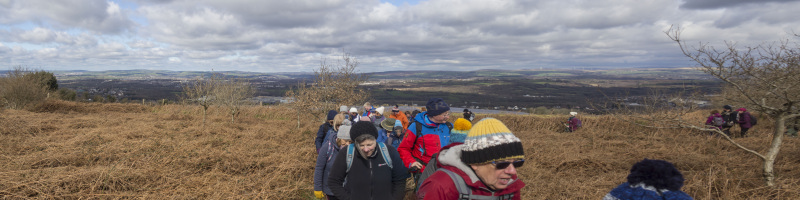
[292, 36]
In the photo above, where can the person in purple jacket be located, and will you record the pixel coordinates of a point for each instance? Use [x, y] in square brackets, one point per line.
[744, 121]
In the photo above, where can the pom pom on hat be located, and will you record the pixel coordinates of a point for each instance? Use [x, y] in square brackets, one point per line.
[490, 140]
[460, 129]
[462, 124]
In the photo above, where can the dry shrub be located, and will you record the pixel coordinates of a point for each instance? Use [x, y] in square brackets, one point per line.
[164, 152]
[66, 107]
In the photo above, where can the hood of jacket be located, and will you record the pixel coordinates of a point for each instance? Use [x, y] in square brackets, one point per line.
[452, 157]
[421, 119]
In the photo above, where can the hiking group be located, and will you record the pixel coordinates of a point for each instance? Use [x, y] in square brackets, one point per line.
[728, 119]
[370, 155]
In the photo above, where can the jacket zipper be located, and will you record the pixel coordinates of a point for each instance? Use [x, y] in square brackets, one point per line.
[371, 186]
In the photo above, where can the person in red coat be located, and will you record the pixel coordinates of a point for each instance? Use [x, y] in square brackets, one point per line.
[486, 165]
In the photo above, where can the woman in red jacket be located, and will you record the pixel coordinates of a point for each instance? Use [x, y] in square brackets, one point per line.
[485, 166]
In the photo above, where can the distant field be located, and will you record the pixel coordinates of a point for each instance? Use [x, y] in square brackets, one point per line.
[70, 150]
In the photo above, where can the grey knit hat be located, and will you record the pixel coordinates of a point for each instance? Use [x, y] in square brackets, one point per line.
[344, 130]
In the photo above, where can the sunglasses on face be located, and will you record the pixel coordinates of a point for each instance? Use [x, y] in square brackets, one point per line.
[504, 165]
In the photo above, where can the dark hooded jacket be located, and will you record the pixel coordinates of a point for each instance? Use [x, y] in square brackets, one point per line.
[324, 129]
[370, 178]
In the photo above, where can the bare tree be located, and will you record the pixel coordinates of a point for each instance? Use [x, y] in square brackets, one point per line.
[335, 83]
[201, 91]
[232, 93]
[763, 78]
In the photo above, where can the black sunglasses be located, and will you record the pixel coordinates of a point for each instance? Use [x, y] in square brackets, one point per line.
[503, 165]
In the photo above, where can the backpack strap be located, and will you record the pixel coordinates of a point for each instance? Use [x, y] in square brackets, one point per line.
[350, 152]
[417, 136]
[463, 191]
[385, 154]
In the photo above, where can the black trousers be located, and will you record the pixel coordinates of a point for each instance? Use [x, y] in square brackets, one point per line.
[744, 131]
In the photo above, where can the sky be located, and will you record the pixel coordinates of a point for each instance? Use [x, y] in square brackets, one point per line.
[383, 35]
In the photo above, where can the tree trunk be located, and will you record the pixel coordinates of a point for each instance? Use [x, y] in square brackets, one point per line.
[205, 110]
[775, 147]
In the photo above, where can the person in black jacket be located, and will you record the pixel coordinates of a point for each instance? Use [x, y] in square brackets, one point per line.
[730, 119]
[324, 129]
[369, 176]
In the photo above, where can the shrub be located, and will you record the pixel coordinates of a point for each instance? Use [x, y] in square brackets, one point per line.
[23, 88]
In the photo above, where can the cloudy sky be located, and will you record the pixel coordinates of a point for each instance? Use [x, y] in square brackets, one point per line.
[385, 35]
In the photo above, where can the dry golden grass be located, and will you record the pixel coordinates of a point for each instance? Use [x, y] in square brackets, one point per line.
[108, 151]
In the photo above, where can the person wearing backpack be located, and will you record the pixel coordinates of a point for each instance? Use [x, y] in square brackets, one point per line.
[326, 157]
[426, 135]
[574, 122]
[715, 120]
[326, 127]
[484, 167]
[744, 119]
[367, 169]
[729, 116]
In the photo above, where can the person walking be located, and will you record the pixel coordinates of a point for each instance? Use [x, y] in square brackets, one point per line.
[367, 108]
[729, 116]
[385, 128]
[460, 129]
[324, 129]
[325, 160]
[425, 136]
[651, 179]
[469, 115]
[744, 121]
[573, 122]
[370, 172]
[396, 114]
[377, 117]
[715, 121]
[353, 115]
[484, 167]
[397, 134]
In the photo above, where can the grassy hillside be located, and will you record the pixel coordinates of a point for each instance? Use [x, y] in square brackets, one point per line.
[80, 150]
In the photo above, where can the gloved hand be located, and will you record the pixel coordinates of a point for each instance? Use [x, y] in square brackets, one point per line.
[319, 194]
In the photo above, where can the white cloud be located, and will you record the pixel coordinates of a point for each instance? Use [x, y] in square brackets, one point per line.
[435, 34]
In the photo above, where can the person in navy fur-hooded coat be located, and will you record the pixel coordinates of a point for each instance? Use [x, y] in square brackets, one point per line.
[651, 179]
